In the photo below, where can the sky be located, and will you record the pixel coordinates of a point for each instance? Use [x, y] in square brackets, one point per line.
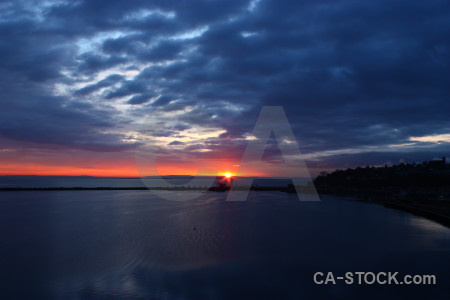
[85, 85]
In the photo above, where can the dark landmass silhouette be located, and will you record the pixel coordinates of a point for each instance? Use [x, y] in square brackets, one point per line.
[421, 188]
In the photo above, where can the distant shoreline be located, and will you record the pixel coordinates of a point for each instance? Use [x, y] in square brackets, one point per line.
[435, 210]
[181, 188]
[20, 189]
[432, 211]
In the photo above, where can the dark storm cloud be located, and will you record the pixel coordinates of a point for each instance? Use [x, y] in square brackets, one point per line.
[48, 120]
[92, 63]
[138, 48]
[378, 72]
[176, 143]
[127, 88]
[163, 51]
[140, 99]
[163, 100]
[350, 74]
[110, 80]
[28, 55]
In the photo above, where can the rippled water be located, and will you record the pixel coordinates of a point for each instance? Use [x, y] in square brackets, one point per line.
[133, 245]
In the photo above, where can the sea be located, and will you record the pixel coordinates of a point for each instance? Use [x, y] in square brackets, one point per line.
[135, 244]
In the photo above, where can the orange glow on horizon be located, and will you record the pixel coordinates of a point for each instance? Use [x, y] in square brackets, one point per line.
[46, 162]
[118, 170]
[104, 169]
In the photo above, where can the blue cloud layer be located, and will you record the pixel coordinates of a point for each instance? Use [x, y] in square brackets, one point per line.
[350, 74]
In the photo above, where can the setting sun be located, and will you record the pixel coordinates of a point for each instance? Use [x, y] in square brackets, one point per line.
[228, 175]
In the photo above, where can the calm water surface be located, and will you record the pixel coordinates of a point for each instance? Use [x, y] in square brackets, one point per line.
[133, 245]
